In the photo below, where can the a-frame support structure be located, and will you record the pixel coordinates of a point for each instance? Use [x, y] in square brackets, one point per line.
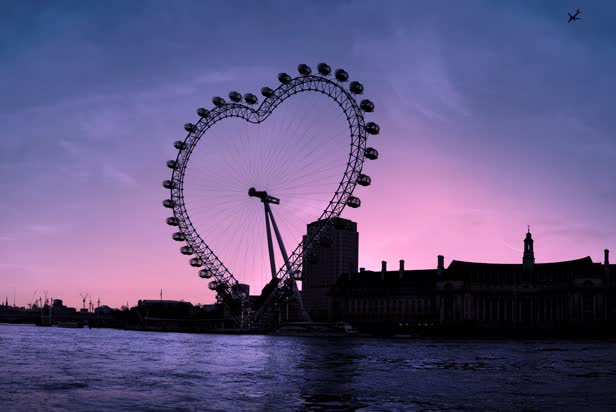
[270, 221]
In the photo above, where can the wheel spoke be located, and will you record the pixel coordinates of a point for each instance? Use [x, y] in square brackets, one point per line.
[299, 192]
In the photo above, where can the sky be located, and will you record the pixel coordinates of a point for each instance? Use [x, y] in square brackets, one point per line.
[493, 115]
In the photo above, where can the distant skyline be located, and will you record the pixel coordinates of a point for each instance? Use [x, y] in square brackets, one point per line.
[494, 116]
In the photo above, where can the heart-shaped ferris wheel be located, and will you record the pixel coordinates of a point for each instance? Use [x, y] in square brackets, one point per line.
[246, 107]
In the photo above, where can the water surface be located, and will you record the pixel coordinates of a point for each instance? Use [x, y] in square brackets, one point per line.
[105, 369]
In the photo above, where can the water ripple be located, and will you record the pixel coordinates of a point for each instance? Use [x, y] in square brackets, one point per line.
[52, 369]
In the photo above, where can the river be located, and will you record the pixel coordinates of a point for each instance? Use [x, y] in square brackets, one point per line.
[56, 369]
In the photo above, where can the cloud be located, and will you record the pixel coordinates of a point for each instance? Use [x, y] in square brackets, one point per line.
[607, 195]
[418, 73]
[114, 174]
[220, 76]
[8, 270]
[508, 246]
[70, 148]
[14, 266]
[46, 229]
[472, 216]
[43, 229]
[604, 148]
[576, 231]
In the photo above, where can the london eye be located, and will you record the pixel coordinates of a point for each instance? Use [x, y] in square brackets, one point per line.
[242, 189]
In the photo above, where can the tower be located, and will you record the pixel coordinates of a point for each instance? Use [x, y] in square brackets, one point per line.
[440, 268]
[606, 268]
[336, 253]
[528, 260]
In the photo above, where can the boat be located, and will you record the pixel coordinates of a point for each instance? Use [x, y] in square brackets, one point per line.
[321, 329]
[69, 325]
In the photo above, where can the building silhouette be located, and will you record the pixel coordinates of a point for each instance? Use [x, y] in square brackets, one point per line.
[573, 295]
[528, 259]
[336, 252]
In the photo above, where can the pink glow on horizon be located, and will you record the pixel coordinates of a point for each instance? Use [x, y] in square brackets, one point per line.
[128, 255]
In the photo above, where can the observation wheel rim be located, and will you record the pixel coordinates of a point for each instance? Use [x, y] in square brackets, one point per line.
[306, 83]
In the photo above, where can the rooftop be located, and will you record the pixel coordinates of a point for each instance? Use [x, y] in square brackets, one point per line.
[574, 266]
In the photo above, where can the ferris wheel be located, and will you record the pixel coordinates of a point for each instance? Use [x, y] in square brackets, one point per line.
[263, 174]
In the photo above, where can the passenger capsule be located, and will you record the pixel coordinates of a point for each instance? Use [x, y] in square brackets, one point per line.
[297, 275]
[366, 105]
[189, 127]
[196, 262]
[171, 164]
[168, 203]
[168, 184]
[235, 96]
[213, 285]
[205, 273]
[364, 180]
[180, 145]
[284, 78]
[202, 112]
[218, 101]
[304, 70]
[353, 202]
[186, 250]
[266, 91]
[324, 69]
[178, 236]
[250, 98]
[372, 128]
[172, 221]
[356, 88]
[371, 153]
[341, 75]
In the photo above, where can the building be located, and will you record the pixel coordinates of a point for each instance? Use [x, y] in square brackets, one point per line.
[158, 308]
[58, 307]
[567, 296]
[384, 297]
[335, 252]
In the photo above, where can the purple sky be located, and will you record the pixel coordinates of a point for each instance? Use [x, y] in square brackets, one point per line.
[494, 115]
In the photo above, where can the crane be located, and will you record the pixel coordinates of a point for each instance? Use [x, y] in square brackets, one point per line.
[84, 299]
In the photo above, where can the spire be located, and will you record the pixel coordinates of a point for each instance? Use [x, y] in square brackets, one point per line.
[528, 260]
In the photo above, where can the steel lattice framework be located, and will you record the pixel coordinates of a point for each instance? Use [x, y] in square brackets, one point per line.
[223, 280]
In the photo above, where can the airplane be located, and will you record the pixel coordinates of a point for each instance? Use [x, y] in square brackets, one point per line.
[574, 17]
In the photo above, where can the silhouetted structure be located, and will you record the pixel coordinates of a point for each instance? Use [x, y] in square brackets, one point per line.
[58, 307]
[572, 296]
[400, 296]
[336, 253]
[286, 293]
[165, 308]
